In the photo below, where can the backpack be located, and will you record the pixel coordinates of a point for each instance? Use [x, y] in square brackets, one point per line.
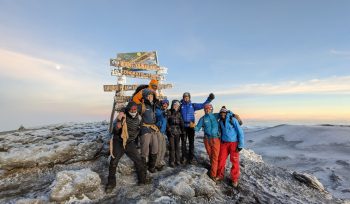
[237, 117]
[139, 88]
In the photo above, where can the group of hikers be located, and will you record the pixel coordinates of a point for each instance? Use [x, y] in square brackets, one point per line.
[148, 122]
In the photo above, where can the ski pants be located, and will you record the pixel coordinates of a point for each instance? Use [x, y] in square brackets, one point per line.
[229, 148]
[212, 145]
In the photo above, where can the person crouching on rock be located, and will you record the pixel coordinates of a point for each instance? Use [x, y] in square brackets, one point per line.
[210, 126]
[161, 116]
[149, 130]
[125, 131]
[175, 129]
[232, 142]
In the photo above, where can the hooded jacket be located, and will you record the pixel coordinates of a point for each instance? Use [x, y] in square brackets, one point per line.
[231, 131]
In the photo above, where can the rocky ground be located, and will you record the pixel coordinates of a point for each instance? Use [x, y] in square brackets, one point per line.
[69, 164]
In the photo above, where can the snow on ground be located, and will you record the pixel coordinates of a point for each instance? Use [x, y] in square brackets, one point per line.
[320, 150]
[68, 163]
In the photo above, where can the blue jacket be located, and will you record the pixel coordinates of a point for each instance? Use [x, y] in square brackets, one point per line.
[210, 125]
[188, 109]
[231, 131]
[161, 120]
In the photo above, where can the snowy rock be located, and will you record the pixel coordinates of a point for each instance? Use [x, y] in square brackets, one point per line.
[165, 200]
[247, 154]
[68, 163]
[309, 180]
[189, 183]
[30, 201]
[76, 183]
[44, 147]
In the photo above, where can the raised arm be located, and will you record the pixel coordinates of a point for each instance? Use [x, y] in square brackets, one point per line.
[199, 106]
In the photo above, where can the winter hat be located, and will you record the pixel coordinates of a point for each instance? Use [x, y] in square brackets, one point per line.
[175, 102]
[186, 94]
[146, 92]
[153, 82]
[208, 105]
[131, 106]
[223, 109]
[164, 101]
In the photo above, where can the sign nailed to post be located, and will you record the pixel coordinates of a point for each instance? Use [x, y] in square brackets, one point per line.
[142, 75]
[136, 65]
[120, 87]
[136, 61]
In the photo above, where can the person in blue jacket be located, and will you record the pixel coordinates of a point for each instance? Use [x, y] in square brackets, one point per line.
[161, 118]
[187, 111]
[232, 142]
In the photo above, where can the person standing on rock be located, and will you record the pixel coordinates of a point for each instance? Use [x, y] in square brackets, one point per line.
[232, 142]
[210, 126]
[187, 111]
[175, 129]
[149, 130]
[125, 131]
[161, 117]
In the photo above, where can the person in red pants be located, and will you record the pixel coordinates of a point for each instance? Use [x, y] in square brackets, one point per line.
[210, 127]
[232, 142]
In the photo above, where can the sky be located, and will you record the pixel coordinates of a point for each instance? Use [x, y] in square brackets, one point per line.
[265, 60]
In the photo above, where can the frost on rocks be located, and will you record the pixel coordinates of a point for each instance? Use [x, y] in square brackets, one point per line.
[76, 183]
[68, 163]
[189, 183]
[309, 180]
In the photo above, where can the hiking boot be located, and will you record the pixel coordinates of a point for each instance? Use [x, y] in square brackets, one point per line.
[183, 161]
[177, 163]
[193, 162]
[218, 179]
[146, 181]
[109, 189]
[159, 168]
[172, 165]
[235, 184]
[152, 163]
[110, 184]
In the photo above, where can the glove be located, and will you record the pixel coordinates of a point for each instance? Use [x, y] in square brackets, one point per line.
[238, 149]
[211, 96]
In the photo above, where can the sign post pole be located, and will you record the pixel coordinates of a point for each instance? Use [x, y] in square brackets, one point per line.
[134, 65]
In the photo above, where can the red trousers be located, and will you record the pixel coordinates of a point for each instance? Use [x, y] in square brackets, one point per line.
[212, 146]
[227, 148]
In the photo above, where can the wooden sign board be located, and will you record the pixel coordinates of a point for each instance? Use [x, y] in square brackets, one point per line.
[124, 99]
[133, 65]
[119, 87]
[141, 75]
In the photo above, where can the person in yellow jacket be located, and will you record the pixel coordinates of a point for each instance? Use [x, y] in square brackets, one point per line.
[153, 86]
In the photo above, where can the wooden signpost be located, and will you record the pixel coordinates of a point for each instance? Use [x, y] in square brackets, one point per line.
[134, 65]
[120, 87]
